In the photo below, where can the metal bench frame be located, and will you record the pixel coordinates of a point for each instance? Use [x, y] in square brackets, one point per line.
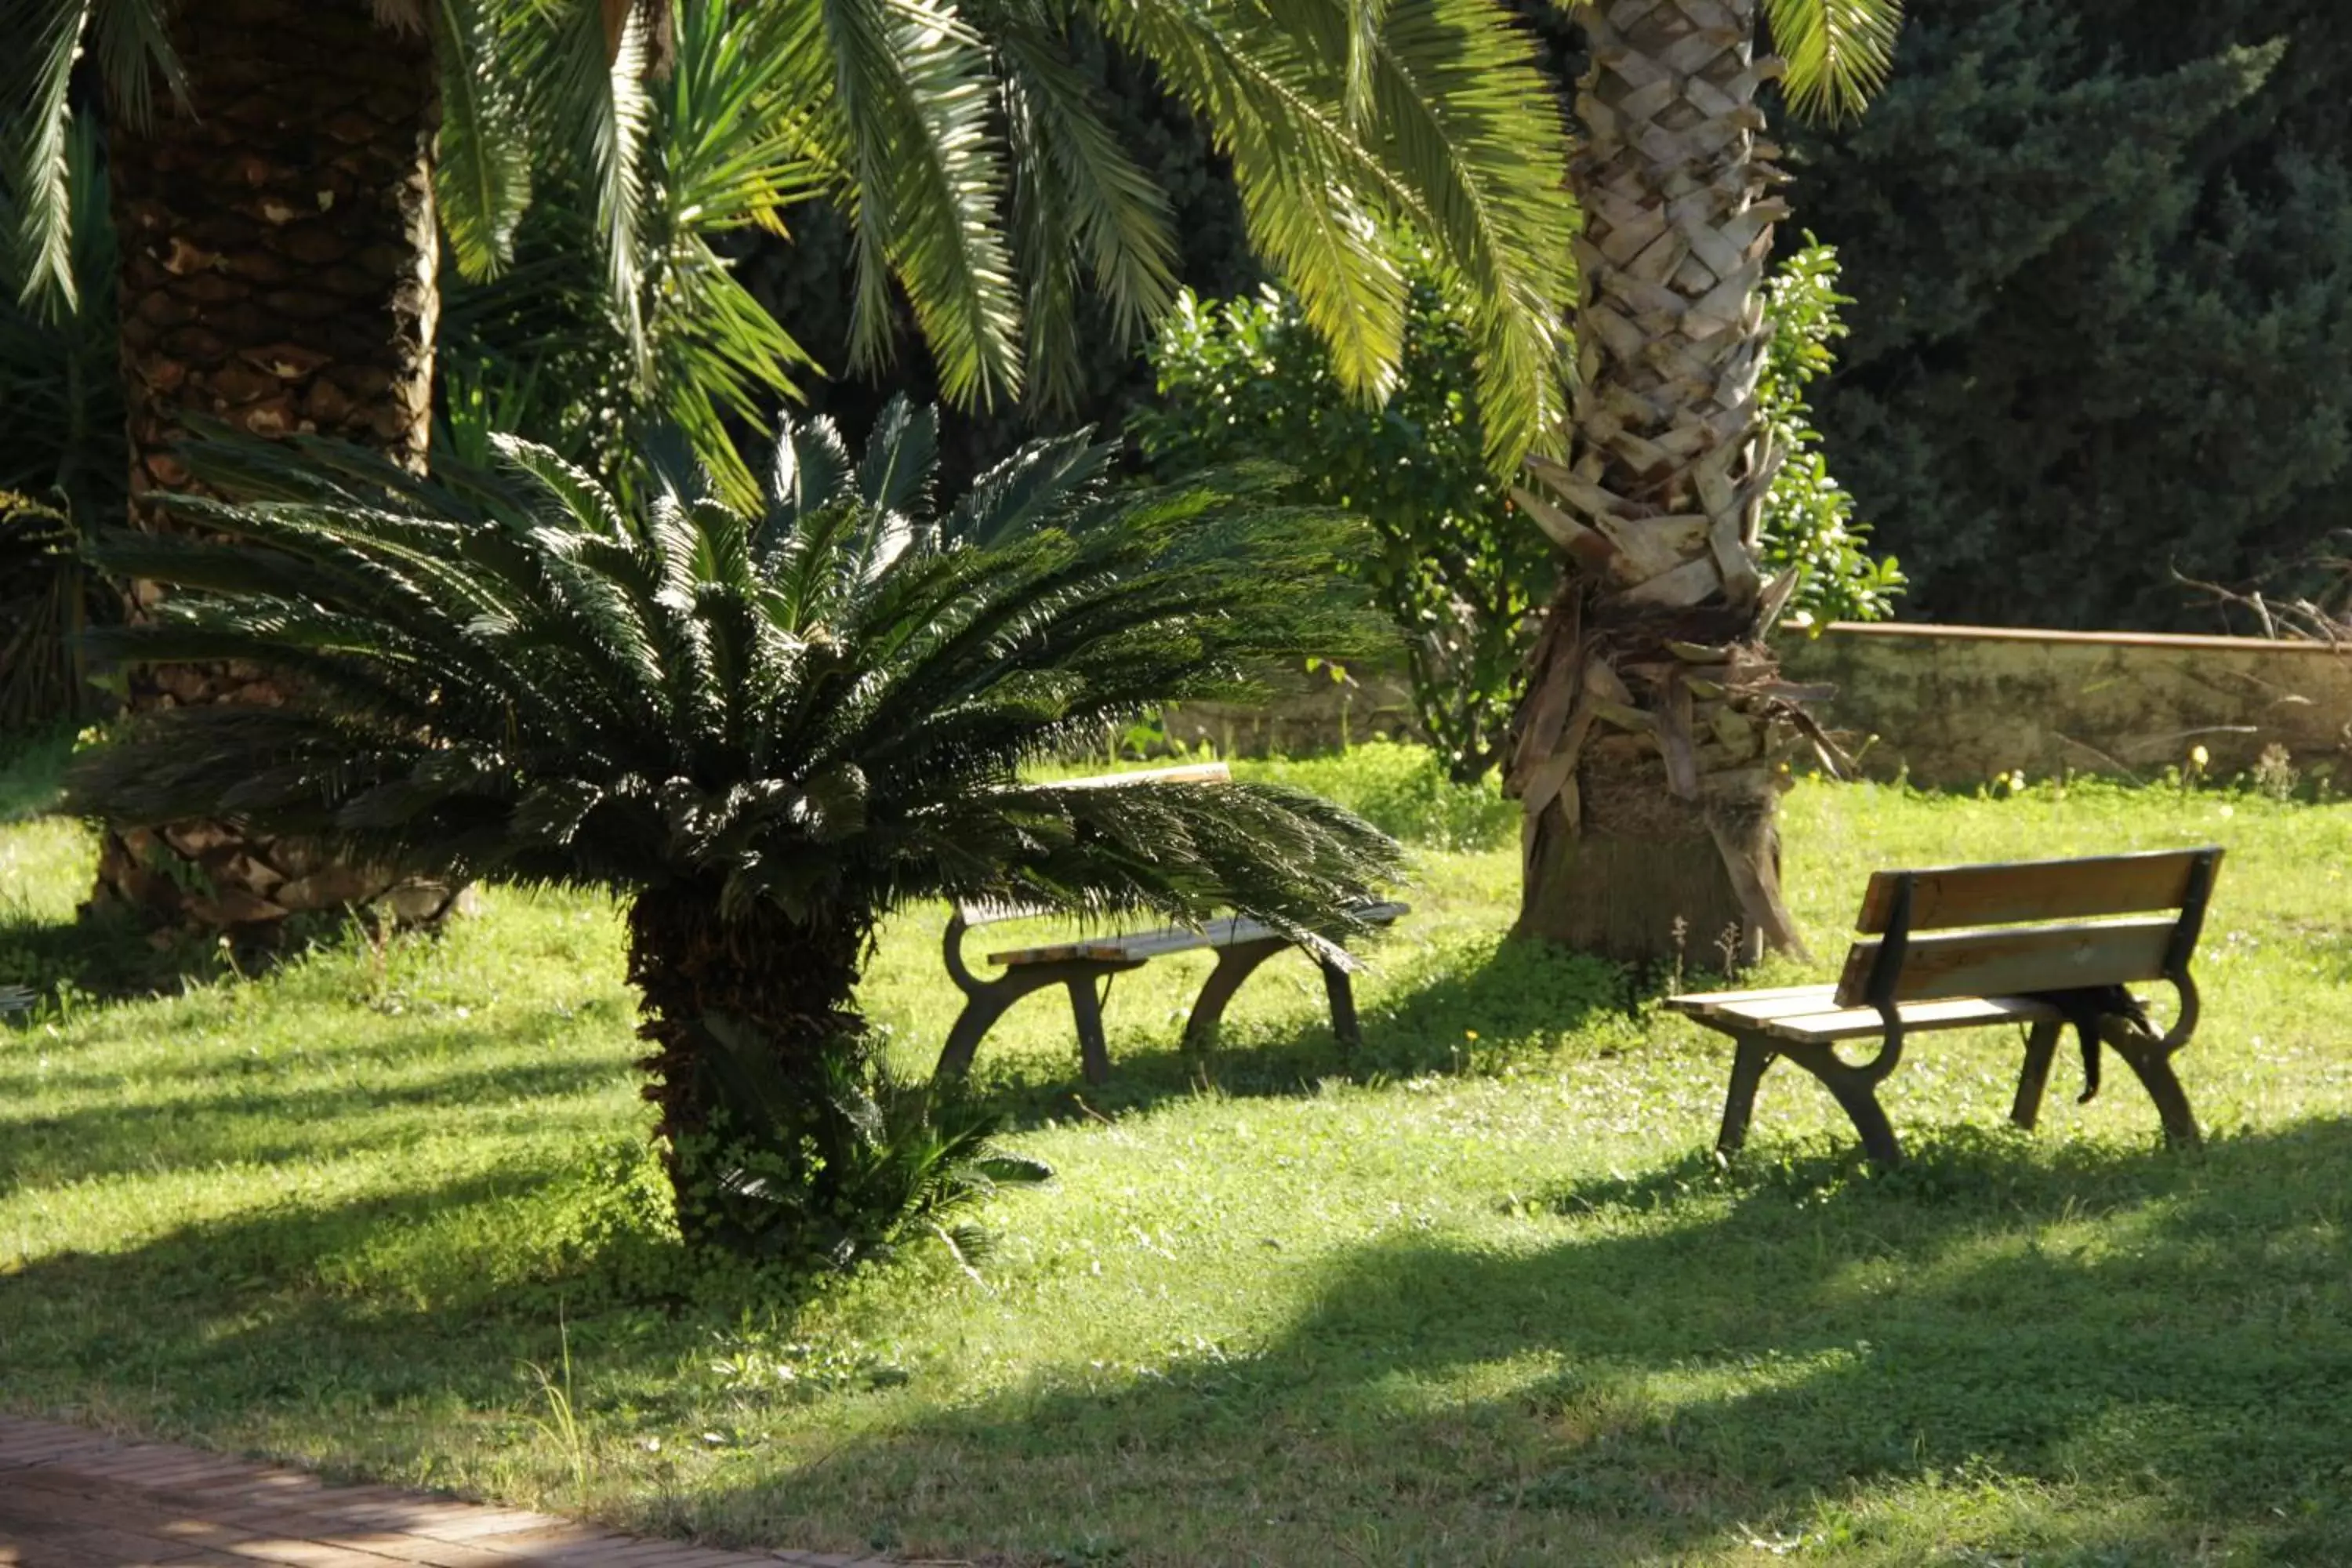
[1086, 971]
[1086, 968]
[2093, 1011]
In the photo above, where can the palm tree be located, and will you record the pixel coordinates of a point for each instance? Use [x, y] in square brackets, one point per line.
[279, 214]
[1652, 739]
[764, 729]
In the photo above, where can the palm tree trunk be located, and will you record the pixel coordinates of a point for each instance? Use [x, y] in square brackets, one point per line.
[1650, 746]
[279, 251]
[789, 985]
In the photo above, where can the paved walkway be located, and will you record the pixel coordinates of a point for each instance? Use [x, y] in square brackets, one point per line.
[72, 1498]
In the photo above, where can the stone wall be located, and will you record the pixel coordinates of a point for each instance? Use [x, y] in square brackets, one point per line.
[1953, 706]
[1310, 713]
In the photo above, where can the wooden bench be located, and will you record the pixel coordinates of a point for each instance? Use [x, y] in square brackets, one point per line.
[2032, 943]
[1085, 967]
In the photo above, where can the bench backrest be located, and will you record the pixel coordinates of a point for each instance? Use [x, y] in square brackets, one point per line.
[982, 914]
[2071, 940]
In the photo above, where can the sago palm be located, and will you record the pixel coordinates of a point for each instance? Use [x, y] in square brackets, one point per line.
[766, 729]
[1653, 737]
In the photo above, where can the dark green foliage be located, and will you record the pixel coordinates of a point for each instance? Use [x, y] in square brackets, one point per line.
[805, 282]
[766, 728]
[2103, 254]
[821, 705]
[895, 1160]
[1458, 568]
[45, 597]
[63, 454]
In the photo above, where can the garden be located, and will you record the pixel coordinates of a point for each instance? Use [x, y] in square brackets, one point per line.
[570, 569]
[1478, 1293]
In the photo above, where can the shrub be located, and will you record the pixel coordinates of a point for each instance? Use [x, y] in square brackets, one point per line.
[1809, 520]
[1454, 569]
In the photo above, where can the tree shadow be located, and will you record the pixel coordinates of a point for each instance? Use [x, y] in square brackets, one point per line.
[1659, 1367]
[229, 1325]
[109, 956]
[1440, 1014]
[251, 1120]
[2141, 1357]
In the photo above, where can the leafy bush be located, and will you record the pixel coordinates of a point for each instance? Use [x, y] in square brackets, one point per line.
[1809, 520]
[1457, 569]
[902, 1161]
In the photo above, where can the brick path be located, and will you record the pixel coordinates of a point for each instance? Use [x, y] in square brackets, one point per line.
[72, 1498]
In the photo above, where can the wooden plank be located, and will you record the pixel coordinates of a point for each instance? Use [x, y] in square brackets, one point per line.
[1864, 1023]
[1702, 1003]
[1229, 932]
[2016, 961]
[1190, 772]
[1950, 895]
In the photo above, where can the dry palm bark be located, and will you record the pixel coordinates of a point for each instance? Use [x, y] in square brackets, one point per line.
[1650, 749]
[278, 252]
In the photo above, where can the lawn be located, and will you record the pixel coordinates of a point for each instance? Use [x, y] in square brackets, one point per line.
[1475, 1297]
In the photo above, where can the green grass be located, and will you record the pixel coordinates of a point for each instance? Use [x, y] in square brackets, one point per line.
[1477, 1298]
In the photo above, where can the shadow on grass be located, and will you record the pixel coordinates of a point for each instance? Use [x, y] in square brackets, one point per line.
[107, 957]
[2156, 1345]
[2060, 1356]
[216, 1323]
[1443, 1016]
[249, 1119]
[32, 769]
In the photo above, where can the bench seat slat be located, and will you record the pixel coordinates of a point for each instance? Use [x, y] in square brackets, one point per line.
[1818, 1020]
[1706, 1004]
[1188, 773]
[1229, 932]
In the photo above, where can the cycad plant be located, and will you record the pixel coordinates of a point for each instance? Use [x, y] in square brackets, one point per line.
[765, 729]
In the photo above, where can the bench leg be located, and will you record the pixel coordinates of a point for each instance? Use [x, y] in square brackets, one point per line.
[1093, 1051]
[2041, 1050]
[2152, 1064]
[1339, 989]
[1856, 1092]
[1235, 964]
[1747, 1068]
[980, 1014]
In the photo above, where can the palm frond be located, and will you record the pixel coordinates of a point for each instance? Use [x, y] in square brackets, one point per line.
[481, 173]
[911, 95]
[1471, 129]
[128, 39]
[1309, 189]
[594, 100]
[1079, 196]
[1839, 52]
[35, 122]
